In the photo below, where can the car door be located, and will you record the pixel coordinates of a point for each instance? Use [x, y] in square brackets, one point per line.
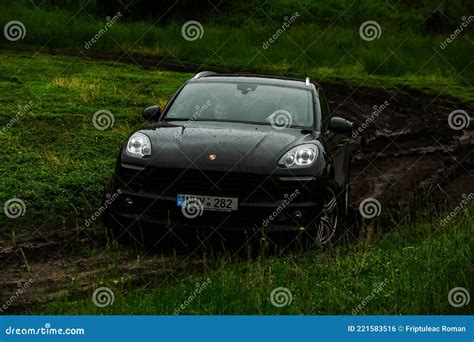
[337, 145]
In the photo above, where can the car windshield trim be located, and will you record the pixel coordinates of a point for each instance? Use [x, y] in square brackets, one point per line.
[295, 84]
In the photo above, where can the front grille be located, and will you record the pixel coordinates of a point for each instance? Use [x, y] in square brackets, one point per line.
[170, 182]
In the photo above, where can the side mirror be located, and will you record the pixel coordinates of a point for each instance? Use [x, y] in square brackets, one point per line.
[151, 113]
[340, 125]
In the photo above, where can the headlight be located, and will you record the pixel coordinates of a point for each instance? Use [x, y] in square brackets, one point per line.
[139, 145]
[302, 155]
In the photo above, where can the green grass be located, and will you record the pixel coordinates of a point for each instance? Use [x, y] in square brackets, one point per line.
[52, 157]
[413, 267]
[310, 47]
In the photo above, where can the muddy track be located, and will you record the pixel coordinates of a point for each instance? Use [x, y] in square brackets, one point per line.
[405, 153]
[70, 265]
[407, 150]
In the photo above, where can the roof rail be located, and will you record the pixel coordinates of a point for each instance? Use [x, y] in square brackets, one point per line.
[204, 74]
[307, 81]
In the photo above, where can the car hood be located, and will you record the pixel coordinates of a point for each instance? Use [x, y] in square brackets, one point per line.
[237, 147]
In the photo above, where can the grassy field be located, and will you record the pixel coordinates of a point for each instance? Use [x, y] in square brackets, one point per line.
[408, 271]
[328, 50]
[53, 158]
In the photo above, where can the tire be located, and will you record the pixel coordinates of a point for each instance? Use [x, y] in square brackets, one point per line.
[329, 228]
[345, 233]
[325, 229]
[330, 216]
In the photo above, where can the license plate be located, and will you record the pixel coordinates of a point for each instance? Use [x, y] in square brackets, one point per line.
[208, 202]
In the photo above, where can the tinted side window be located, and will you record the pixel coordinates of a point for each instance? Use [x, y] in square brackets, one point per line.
[325, 112]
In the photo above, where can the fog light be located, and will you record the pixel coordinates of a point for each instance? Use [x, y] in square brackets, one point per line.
[298, 214]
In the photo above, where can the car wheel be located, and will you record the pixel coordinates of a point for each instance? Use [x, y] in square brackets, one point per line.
[331, 216]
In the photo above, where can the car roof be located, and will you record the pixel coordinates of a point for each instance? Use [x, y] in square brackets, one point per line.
[206, 76]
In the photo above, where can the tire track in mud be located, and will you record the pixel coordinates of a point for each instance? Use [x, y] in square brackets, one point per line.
[69, 265]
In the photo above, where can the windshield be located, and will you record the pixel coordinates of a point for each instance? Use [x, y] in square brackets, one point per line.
[243, 102]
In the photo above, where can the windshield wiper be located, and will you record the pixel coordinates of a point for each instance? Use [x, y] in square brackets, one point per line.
[176, 119]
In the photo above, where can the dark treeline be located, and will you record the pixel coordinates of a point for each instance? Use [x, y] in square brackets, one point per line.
[424, 16]
[145, 9]
[166, 9]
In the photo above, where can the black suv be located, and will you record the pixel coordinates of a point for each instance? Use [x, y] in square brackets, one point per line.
[235, 152]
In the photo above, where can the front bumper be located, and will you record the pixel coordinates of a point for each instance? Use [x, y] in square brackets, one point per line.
[275, 202]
